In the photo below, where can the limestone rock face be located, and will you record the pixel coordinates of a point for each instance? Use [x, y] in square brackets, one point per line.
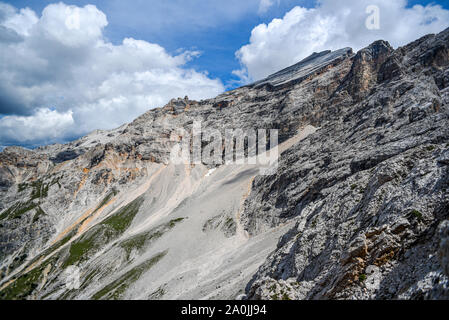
[357, 208]
[369, 191]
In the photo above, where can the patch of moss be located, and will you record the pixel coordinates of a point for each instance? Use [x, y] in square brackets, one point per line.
[90, 243]
[417, 214]
[115, 289]
[430, 148]
[23, 209]
[362, 277]
[353, 186]
[274, 297]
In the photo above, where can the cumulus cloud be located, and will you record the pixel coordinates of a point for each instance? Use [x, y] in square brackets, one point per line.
[333, 25]
[61, 78]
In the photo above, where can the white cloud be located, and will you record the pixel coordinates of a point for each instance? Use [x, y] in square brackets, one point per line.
[22, 21]
[45, 125]
[61, 66]
[265, 5]
[333, 25]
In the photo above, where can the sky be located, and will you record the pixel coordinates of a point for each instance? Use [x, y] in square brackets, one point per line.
[68, 68]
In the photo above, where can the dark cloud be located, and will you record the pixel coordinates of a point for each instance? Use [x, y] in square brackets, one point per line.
[8, 35]
[11, 104]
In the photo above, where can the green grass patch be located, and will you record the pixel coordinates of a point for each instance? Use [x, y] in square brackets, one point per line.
[61, 242]
[21, 187]
[106, 199]
[115, 289]
[56, 181]
[122, 219]
[78, 252]
[139, 241]
[104, 233]
[54, 247]
[22, 287]
[25, 284]
[40, 190]
[17, 210]
[88, 279]
[7, 212]
[39, 213]
[18, 261]
[174, 222]
[285, 296]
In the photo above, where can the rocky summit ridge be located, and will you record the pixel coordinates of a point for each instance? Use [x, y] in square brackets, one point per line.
[358, 207]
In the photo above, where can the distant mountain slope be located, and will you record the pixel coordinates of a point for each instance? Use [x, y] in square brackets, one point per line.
[357, 208]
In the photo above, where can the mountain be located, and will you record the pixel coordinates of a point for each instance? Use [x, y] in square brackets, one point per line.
[356, 208]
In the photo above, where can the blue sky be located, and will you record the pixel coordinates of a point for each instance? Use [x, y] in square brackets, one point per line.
[218, 41]
[58, 82]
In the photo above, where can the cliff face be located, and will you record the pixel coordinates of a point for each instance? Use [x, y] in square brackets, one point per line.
[357, 208]
[369, 190]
